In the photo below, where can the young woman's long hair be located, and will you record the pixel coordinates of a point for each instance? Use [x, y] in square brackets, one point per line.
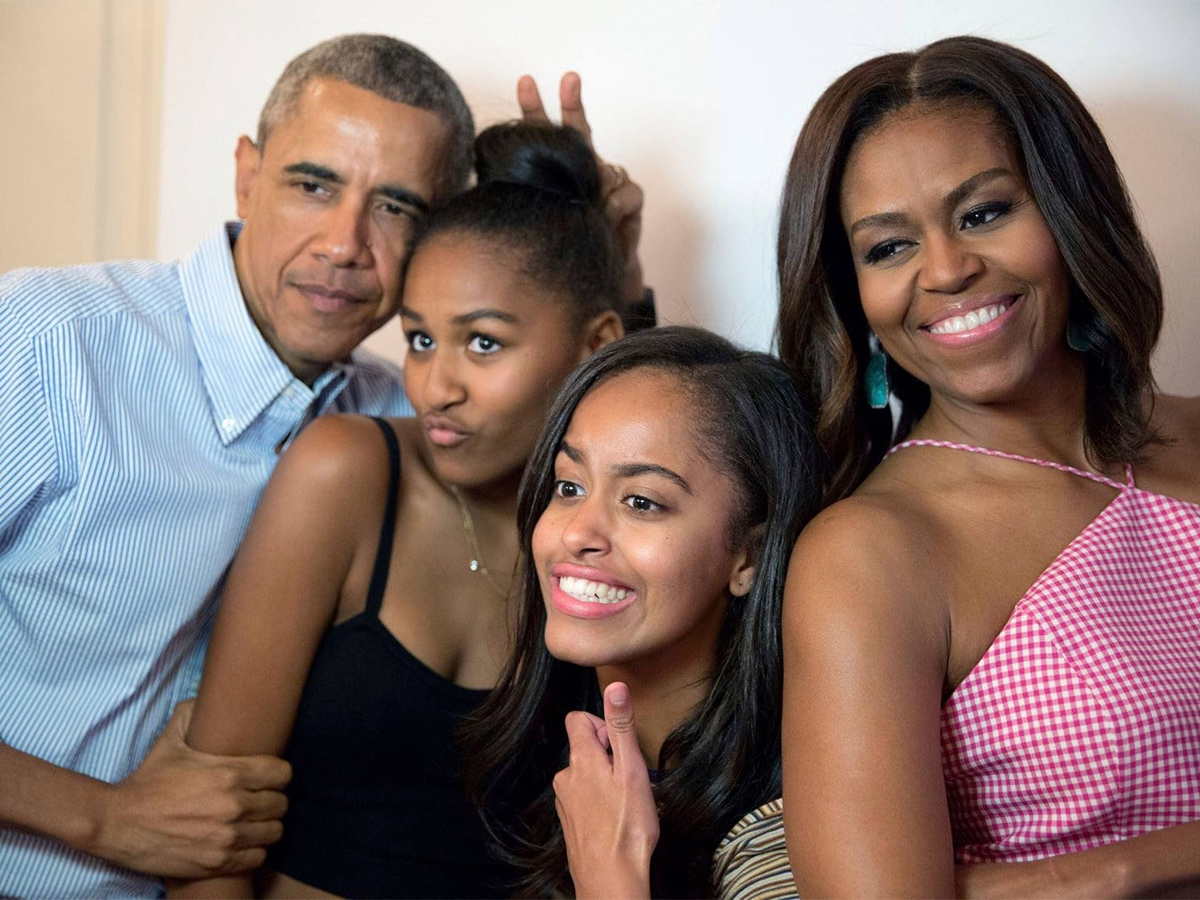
[724, 760]
[1116, 295]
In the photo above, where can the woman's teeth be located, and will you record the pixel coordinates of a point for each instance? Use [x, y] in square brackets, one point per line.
[970, 321]
[591, 591]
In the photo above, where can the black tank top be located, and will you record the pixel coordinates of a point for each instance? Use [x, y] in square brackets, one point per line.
[377, 806]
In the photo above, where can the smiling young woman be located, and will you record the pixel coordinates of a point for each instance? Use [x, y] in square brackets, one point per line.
[990, 633]
[656, 517]
[367, 611]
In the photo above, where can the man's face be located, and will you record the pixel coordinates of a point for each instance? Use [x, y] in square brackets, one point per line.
[330, 203]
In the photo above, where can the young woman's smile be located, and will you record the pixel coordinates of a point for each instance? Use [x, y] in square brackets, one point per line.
[958, 273]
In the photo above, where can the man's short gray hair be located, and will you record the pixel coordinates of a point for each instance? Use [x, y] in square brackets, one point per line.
[395, 71]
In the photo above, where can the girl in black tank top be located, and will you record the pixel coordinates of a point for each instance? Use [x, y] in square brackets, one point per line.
[367, 613]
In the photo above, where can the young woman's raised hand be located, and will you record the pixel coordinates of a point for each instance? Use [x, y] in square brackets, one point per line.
[605, 803]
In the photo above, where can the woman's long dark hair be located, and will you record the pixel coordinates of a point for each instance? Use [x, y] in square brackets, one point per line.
[725, 757]
[1116, 295]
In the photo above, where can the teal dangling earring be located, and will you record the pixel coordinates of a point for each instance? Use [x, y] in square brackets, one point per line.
[876, 379]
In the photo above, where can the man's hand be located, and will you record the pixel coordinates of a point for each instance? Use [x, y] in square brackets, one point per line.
[188, 814]
[622, 197]
[606, 805]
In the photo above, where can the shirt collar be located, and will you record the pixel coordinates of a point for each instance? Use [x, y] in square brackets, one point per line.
[242, 374]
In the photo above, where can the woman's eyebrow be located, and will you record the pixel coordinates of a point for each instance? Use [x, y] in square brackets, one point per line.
[633, 470]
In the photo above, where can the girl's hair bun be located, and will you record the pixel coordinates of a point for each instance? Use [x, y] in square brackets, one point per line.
[551, 158]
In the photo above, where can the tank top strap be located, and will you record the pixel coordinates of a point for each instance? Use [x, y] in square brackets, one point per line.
[387, 531]
[1045, 463]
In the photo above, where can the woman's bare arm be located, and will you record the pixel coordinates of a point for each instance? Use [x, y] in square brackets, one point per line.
[865, 649]
[1162, 863]
[320, 509]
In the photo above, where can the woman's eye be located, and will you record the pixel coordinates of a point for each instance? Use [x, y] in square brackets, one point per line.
[885, 250]
[641, 504]
[482, 343]
[568, 490]
[984, 215]
[419, 342]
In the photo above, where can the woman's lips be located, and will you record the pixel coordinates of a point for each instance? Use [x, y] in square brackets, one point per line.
[971, 323]
[586, 593]
[444, 432]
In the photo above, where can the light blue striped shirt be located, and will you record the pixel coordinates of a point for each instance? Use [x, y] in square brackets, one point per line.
[140, 416]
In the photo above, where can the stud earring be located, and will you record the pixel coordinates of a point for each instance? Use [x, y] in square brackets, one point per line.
[1078, 339]
[876, 379]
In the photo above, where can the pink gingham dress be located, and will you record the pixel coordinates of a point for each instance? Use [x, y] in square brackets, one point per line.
[1080, 725]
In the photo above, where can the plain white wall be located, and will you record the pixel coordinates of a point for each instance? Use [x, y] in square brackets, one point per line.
[702, 101]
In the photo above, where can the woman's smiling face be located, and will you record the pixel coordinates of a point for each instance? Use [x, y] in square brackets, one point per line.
[958, 272]
[634, 550]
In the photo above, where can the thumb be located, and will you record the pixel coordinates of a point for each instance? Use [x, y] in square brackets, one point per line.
[619, 722]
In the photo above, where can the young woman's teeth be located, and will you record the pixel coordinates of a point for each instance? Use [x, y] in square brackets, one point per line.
[591, 591]
[970, 321]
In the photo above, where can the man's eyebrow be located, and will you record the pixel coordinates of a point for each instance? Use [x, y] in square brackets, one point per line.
[314, 171]
[391, 191]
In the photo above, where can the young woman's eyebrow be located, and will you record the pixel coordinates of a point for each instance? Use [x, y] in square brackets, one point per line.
[633, 470]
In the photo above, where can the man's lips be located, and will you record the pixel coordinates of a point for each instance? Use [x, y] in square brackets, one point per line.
[444, 432]
[331, 299]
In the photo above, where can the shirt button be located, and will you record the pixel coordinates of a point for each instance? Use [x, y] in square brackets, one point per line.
[228, 424]
[289, 392]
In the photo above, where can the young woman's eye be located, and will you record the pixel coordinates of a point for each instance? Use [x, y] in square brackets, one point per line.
[885, 250]
[419, 342]
[483, 344]
[568, 490]
[642, 504]
[984, 215]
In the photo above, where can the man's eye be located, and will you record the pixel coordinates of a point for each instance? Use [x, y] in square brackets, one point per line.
[419, 342]
[311, 187]
[568, 490]
[484, 344]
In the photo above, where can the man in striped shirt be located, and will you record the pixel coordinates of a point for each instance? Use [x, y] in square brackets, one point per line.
[142, 408]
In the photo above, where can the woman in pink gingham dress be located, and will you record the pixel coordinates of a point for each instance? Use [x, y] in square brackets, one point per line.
[992, 634]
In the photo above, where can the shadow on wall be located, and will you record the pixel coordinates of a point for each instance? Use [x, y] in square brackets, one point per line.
[1157, 145]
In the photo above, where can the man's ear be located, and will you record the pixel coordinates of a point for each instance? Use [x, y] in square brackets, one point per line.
[741, 576]
[603, 329]
[248, 158]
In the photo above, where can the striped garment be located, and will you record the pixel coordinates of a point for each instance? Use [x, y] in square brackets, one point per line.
[140, 416]
[751, 862]
[1080, 725]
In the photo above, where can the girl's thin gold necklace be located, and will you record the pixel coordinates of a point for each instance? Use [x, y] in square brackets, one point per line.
[477, 564]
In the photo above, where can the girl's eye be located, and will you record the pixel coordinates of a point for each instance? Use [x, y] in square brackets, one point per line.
[419, 342]
[568, 490]
[885, 250]
[484, 344]
[985, 215]
[642, 504]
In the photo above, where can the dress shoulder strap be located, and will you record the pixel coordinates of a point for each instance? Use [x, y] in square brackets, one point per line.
[1046, 463]
[387, 531]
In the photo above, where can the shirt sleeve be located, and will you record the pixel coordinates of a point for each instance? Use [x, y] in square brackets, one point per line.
[27, 455]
